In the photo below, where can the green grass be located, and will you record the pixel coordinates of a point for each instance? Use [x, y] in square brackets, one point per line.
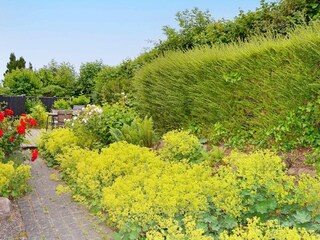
[251, 86]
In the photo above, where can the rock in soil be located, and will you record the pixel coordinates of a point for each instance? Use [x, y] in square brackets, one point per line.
[4, 208]
[12, 227]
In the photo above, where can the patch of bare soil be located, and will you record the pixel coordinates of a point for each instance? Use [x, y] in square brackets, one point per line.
[12, 228]
[295, 161]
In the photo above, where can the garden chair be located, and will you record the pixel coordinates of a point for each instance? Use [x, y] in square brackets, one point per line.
[63, 115]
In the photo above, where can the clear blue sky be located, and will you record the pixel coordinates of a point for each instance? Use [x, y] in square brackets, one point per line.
[79, 31]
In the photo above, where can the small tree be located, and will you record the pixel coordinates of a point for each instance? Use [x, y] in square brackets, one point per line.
[14, 64]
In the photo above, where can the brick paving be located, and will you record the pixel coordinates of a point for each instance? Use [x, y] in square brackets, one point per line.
[49, 216]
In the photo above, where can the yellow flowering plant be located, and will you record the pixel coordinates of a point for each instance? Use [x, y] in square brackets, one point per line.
[150, 195]
[13, 179]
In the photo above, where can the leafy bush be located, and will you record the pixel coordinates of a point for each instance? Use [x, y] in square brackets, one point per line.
[81, 100]
[54, 91]
[39, 113]
[140, 132]
[30, 103]
[23, 82]
[179, 145]
[62, 104]
[299, 129]
[13, 180]
[93, 125]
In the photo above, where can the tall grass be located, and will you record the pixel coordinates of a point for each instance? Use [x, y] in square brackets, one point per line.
[250, 86]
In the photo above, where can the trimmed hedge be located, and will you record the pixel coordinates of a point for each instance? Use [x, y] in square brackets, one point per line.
[251, 86]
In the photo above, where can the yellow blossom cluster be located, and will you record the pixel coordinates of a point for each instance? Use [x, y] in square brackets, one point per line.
[180, 145]
[53, 142]
[13, 180]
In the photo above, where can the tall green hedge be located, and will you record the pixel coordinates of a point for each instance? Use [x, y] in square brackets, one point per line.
[251, 86]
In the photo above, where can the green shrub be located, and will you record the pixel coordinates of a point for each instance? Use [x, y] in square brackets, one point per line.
[240, 87]
[39, 113]
[23, 82]
[54, 91]
[93, 125]
[299, 129]
[140, 132]
[62, 104]
[13, 179]
[30, 103]
[81, 100]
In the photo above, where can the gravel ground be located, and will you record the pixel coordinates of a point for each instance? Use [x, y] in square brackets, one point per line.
[12, 228]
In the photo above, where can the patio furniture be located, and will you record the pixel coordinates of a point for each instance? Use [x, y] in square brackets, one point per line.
[63, 116]
[58, 118]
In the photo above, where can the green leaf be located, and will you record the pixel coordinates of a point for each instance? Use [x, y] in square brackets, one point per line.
[210, 219]
[117, 236]
[302, 217]
[203, 226]
[134, 235]
[266, 206]
[317, 219]
[311, 208]
[229, 222]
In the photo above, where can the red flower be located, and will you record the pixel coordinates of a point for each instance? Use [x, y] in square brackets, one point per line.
[23, 115]
[23, 122]
[11, 139]
[2, 115]
[34, 154]
[8, 112]
[1, 132]
[21, 129]
[32, 122]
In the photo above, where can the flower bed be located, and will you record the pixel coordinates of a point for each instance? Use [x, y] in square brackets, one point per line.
[145, 194]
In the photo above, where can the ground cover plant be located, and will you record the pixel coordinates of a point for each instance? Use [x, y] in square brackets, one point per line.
[146, 194]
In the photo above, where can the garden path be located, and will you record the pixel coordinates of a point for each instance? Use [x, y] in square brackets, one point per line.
[32, 138]
[49, 216]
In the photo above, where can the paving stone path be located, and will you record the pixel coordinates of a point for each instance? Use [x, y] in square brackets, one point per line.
[49, 216]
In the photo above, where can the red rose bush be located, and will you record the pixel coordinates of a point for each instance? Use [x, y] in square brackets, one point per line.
[13, 132]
